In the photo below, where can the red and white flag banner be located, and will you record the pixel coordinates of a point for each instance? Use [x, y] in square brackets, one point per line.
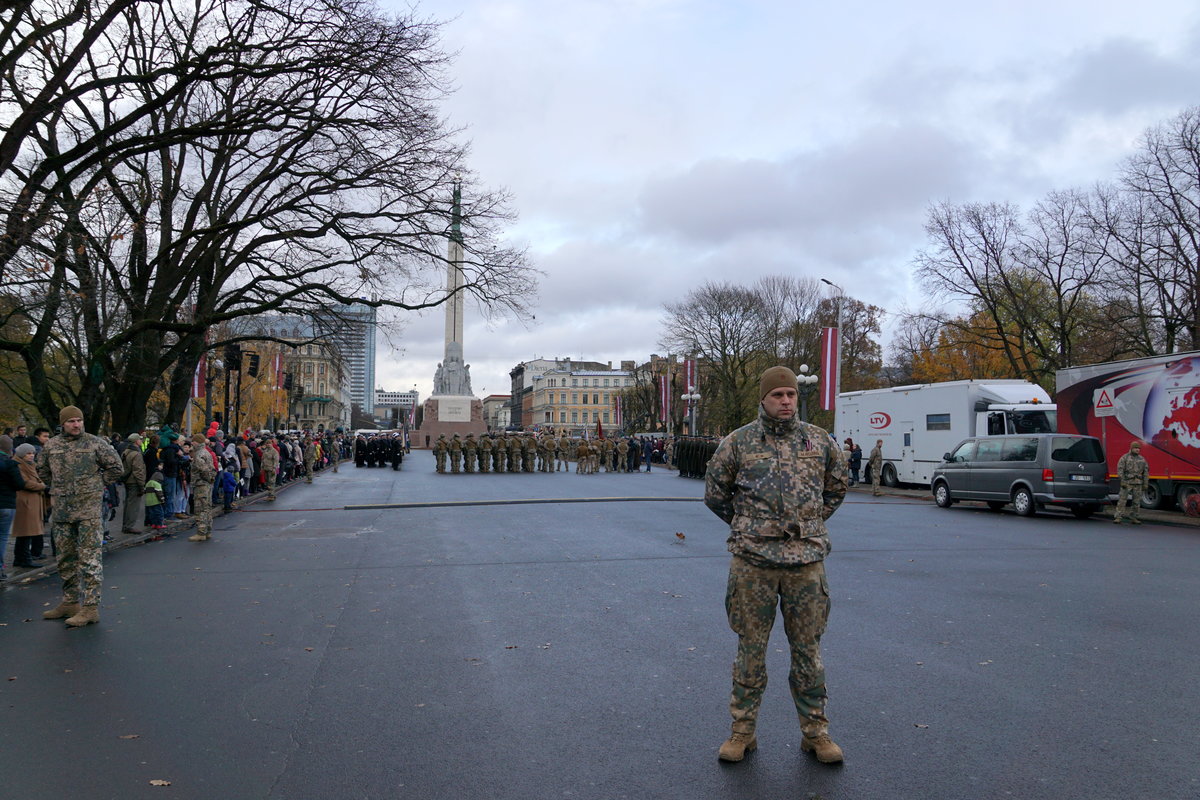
[198, 376]
[829, 367]
[278, 371]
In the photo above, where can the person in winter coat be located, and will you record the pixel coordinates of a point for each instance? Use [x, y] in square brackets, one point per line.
[29, 522]
[10, 483]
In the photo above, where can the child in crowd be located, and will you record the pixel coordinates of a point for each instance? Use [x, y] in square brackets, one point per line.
[156, 502]
[229, 488]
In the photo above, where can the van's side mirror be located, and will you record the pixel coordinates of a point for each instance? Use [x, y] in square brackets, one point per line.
[947, 457]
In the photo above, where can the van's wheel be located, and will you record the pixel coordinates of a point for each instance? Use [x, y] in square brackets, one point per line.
[996, 505]
[1152, 497]
[1023, 502]
[888, 477]
[941, 495]
[1083, 512]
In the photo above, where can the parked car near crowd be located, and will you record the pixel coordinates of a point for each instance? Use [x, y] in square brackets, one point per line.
[1030, 471]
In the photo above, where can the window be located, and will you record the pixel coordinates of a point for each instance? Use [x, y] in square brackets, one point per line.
[988, 449]
[585, 417]
[606, 399]
[937, 422]
[321, 368]
[562, 398]
[1077, 448]
[549, 416]
[595, 399]
[585, 398]
[574, 416]
[574, 381]
[965, 452]
[322, 387]
[308, 370]
[606, 416]
[562, 416]
[574, 398]
[1019, 448]
[606, 381]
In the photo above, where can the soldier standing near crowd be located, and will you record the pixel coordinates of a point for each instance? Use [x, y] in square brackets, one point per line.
[439, 452]
[204, 472]
[776, 481]
[499, 452]
[1134, 474]
[470, 450]
[875, 465]
[310, 458]
[622, 455]
[133, 511]
[270, 463]
[77, 466]
[455, 453]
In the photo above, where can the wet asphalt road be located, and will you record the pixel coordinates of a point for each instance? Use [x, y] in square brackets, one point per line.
[580, 651]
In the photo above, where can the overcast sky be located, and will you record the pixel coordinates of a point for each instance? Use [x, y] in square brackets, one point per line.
[654, 145]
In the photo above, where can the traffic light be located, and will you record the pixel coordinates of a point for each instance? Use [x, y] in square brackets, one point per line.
[287, 381]
[252, 369]
[233, 358]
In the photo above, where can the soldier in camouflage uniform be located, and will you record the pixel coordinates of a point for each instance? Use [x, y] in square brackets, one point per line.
[875, 464]
[310, 458]
[485, 452]
[499, 453]
[622, 455]
[470, 451]
[204, 472]
[563, 454]
[1134, 474]
[514, 453]
[270, 463]
[439, 452]
[77, 466]
[133, 510]
[776, 481]
[528, 451]
[455, 453]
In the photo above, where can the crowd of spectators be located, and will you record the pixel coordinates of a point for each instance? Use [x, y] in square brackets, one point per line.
[156, 485]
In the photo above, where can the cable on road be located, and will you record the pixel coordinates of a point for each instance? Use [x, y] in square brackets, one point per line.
[465, 503]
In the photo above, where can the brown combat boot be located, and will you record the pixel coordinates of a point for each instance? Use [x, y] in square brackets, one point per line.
[737, 746]
[86, 616]
[826, 751]
[197, 537]
[63, 609]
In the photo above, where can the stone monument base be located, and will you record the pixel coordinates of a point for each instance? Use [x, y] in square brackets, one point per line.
[449, 415]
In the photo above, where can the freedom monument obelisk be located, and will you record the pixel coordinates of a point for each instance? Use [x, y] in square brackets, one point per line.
[453, 408]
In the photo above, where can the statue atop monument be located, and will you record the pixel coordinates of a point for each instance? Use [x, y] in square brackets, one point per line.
[453, 377]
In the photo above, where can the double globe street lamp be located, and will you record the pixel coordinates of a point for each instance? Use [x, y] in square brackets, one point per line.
[692, 398]
[804, 380]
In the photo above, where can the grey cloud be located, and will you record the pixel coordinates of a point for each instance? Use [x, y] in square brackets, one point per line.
[1124, 74]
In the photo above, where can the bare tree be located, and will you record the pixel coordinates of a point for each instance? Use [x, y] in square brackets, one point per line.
[280, 159]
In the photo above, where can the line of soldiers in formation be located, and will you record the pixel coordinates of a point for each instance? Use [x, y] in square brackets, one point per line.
[529, 452]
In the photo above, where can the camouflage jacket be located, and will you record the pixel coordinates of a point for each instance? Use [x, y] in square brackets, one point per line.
[77, 468]
[1133, 470]
[456, 445]
[204, 472]
[776, 482]
[270, 458]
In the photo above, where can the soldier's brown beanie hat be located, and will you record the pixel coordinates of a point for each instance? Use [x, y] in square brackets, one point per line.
[775, 378]
[198, 438]
[70, 412]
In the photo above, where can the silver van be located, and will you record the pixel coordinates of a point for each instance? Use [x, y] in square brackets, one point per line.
[1030, 471]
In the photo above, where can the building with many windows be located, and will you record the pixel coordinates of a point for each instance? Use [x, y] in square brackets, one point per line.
[351, 328]
[526, 373]
[496, 411]
[577, 398]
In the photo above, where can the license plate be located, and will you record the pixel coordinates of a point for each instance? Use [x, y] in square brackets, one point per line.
[1081, 478]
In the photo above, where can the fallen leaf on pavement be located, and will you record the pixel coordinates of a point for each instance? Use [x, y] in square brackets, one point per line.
[157, 782]
[130, 736]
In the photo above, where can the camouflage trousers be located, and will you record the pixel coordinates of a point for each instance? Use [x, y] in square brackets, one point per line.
[80, 546]
[202, 507]
[498, 459]
[751, 598]
[439, 458]
[455, 460]
[308, 470]
[485, 460]
[270, 476]
[468, 461]
[1129, 501]
[875, 481]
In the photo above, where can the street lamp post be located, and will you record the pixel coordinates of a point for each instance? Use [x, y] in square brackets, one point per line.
[837, 373]
[691, 398]
[805, 380]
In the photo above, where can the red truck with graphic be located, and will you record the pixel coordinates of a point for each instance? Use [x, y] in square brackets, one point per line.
[1154, 399]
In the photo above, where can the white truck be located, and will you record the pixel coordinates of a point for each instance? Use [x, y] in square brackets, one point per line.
[920, 423]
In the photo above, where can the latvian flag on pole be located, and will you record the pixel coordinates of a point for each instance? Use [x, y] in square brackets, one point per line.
[829, 367]
[278, 371]
[664, 398]
[617, 415]
[198, 376]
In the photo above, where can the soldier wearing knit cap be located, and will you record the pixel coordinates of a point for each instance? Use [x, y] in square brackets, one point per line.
[776, 481]
[204, 472]
[133, 478]
[77, 466]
